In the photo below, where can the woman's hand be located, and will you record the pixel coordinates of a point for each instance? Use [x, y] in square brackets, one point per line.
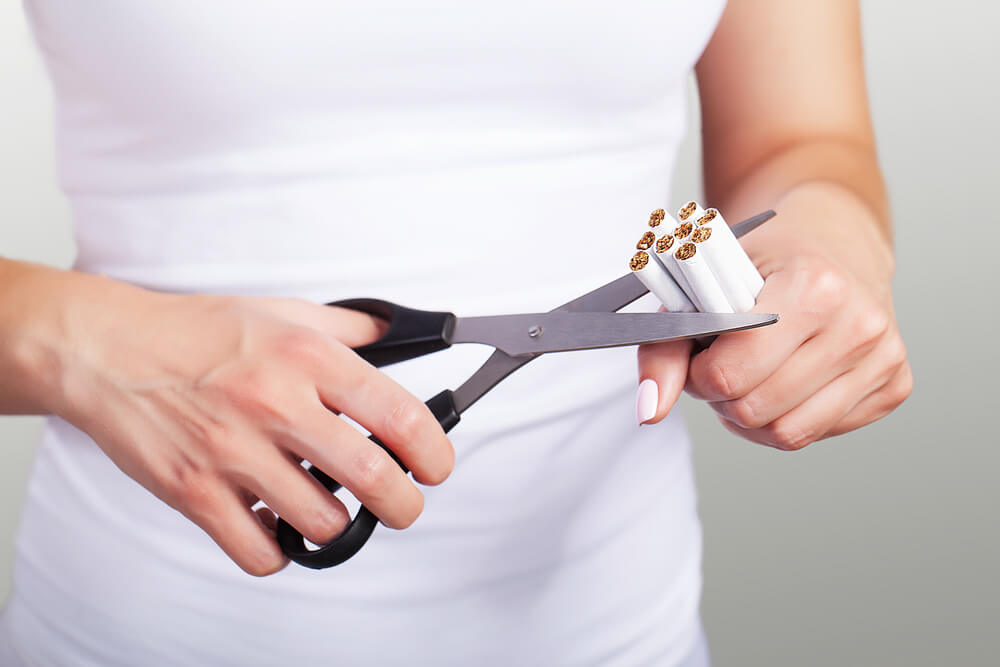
[833, 363]
[211, 403]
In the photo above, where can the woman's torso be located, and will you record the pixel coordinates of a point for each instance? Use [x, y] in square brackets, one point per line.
[471, 157]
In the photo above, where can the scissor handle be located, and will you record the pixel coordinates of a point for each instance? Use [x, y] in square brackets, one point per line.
[412, 333]
[360, 529]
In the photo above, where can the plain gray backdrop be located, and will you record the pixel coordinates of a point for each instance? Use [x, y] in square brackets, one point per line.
[881, 547]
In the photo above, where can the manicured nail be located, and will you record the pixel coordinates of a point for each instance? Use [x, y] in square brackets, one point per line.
[646, 400]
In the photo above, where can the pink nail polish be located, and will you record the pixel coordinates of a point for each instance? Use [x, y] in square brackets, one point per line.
[646, 400]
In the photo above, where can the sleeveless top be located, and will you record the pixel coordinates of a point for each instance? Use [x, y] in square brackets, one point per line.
[475, 157]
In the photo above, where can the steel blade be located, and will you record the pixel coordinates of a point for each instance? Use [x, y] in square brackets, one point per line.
[608, 298]
[537, 333]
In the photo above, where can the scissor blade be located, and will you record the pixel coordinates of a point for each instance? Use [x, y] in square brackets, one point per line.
[607, 299]
[746, 226]
[536, 333]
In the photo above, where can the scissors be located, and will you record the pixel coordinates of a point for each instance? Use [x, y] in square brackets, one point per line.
[587, 322]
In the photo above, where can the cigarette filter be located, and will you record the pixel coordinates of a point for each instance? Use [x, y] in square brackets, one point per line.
[651, 274]
[734, 254]
[690, 212]
[699, 275]
[646, 241]
[726, 273]
[664, 254]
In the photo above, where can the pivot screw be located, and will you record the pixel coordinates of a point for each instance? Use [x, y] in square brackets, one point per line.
[535, 331]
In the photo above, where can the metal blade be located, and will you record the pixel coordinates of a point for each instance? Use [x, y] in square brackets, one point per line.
[609, 298]
[538, 333]
[746, 226]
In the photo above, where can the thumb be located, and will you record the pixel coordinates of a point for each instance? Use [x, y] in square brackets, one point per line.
[663, 371]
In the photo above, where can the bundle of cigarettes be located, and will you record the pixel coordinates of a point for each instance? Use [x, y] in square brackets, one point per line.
[695, 263]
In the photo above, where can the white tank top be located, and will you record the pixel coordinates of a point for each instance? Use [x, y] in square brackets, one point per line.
[476, 157]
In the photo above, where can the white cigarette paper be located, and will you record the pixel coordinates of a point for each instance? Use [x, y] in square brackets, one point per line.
[702, 280]
[726, 273]
[663, 252]
[690, 212]
[651, 274]
[732, 253]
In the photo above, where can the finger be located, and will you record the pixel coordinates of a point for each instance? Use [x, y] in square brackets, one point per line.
[816, 363]
[237, 530]
[293, 493]
[738, 362]
[396, 417]
[268, 518]
[364, 468]
[814, 418]
[878, 404]
[351, 327]
[662, 372]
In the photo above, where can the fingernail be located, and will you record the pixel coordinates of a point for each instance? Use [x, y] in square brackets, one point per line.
[646, 400]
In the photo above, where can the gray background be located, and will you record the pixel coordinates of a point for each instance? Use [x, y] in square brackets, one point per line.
[876, 548]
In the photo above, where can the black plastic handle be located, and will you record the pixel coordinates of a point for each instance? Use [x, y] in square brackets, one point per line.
[411, 333]
[360, 529]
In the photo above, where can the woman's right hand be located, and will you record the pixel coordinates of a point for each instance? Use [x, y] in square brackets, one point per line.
[211, 403]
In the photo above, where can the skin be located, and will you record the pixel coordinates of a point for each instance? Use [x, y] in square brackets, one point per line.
[210, 402]
[210, 423]
[786, 126]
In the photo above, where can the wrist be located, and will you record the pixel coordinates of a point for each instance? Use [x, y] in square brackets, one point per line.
[54, 324]
[829, 221]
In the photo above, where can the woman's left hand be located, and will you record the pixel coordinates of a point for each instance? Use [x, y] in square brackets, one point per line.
[833, 363]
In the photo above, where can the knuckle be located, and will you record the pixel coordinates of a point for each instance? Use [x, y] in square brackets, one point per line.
[256, 392]
[253, 388]
[896, 352]
[725, 380]
[306, 347]
[189, 487]
[788, 436]
[322, 525]
[220, 441]
[871, 324]
[826, 288]
[745, 414]
[374, 474]
[406, 421]
[903, 388]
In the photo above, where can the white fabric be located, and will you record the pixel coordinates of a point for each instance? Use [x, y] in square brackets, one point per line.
[475, 157]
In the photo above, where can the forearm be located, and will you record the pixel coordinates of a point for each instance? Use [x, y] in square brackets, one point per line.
[43, 314]
[830, 198]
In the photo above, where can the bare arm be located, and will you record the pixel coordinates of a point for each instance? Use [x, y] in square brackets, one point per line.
[786, 125]
[210, 402]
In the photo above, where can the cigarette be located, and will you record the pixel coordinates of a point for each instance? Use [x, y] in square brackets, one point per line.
[659, 282]
[732, 253]
[702, 280]
[646, 241]
[656, 217]
[726, 273]
[709, 216]
[683, 230]
[664, 254]
[691, 211]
